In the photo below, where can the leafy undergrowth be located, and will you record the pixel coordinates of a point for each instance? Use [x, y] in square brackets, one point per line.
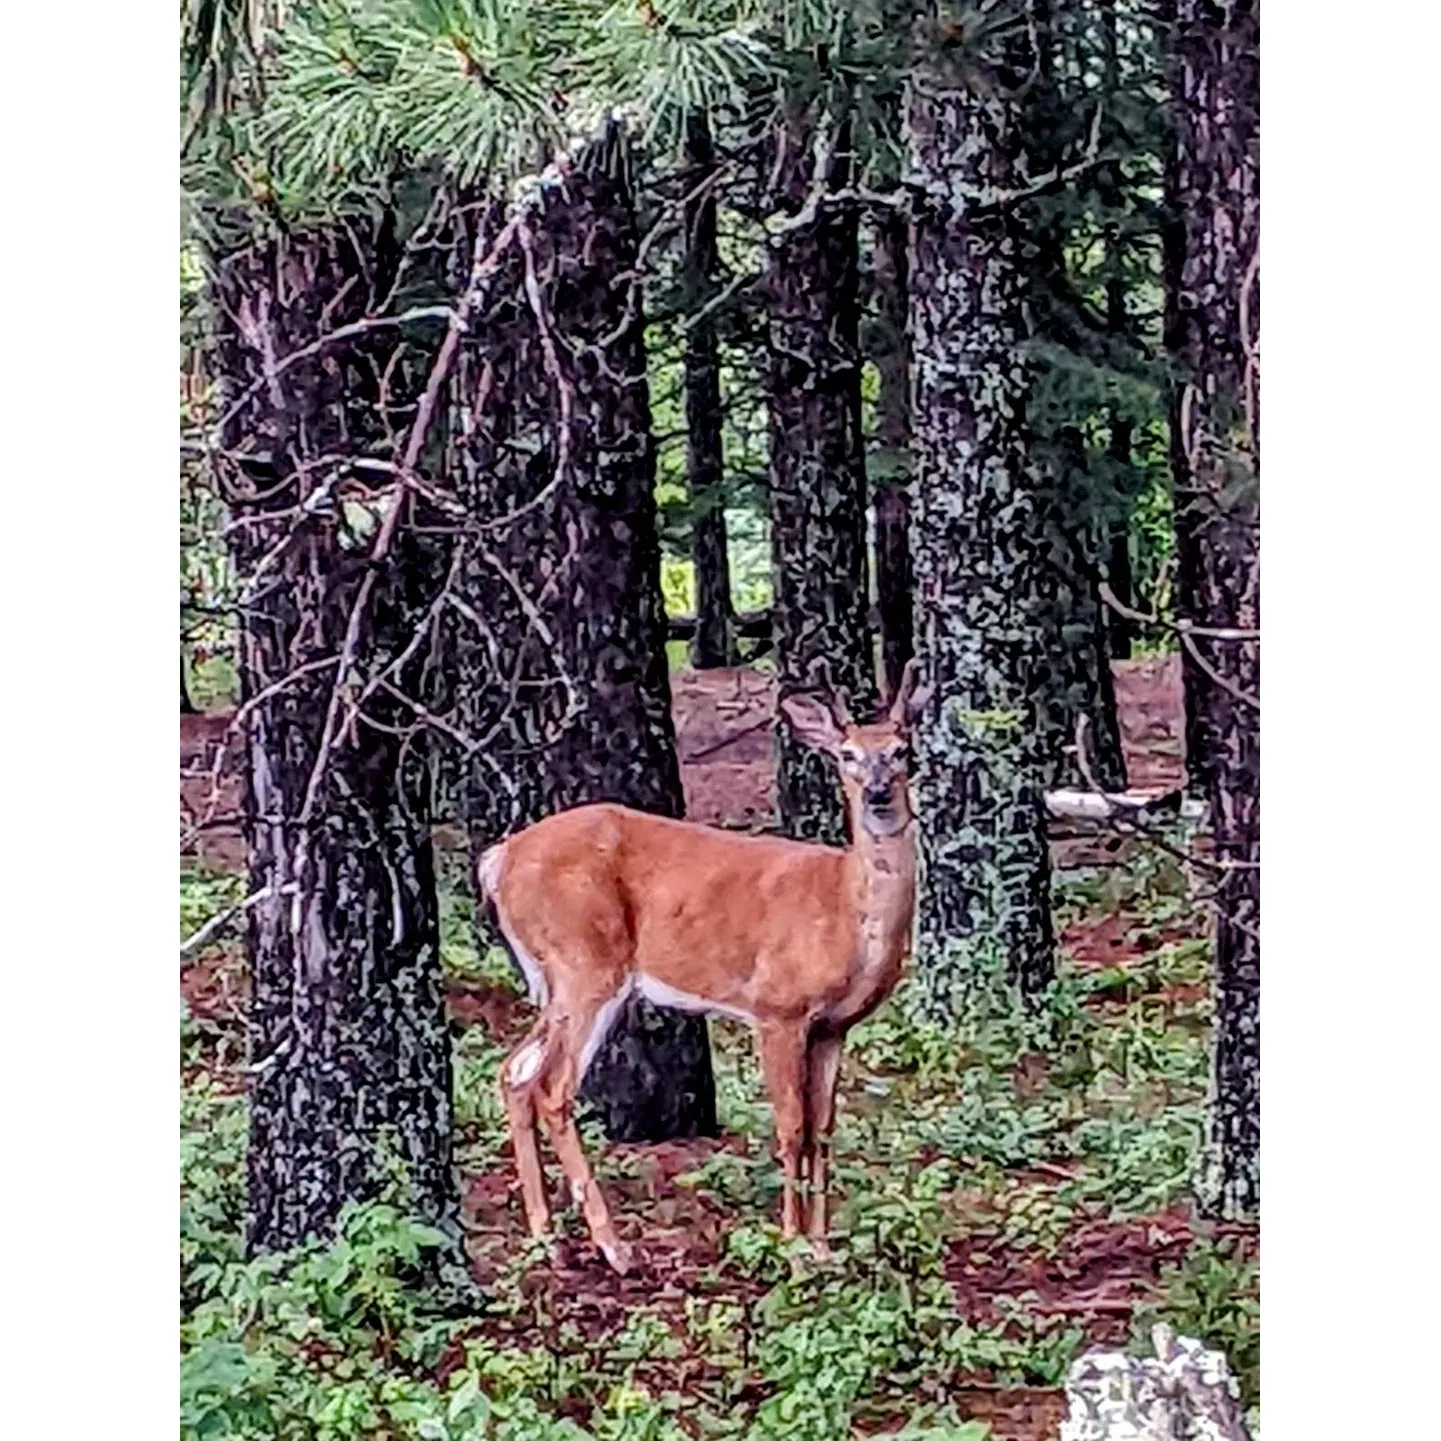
[1008, 1193]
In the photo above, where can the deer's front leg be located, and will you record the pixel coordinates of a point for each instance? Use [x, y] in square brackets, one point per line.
[783, 1061]
[823, 1066]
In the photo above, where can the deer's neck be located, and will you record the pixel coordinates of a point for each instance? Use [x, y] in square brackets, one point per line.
[883, 890]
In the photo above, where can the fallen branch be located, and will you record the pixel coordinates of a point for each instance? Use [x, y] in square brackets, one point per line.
[1182, 626]
[216, 924]
[762, 724]
[1137, 807]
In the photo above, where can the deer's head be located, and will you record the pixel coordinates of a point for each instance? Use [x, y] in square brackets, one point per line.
[875, 759]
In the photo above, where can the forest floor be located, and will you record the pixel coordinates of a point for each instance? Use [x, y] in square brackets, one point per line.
[1002, 1204]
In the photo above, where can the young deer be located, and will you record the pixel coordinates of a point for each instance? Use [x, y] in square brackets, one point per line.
[801, 940]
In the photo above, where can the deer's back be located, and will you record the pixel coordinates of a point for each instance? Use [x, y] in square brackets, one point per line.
[699, 915]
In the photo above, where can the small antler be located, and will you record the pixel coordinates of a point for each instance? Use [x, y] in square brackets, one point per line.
[905, 684]
[910, 699]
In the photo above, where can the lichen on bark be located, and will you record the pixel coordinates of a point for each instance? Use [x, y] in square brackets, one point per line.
[349, 1052]
[817, 469]
[978, 546]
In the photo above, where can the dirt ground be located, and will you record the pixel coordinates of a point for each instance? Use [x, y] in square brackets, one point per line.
[1096, 1278]
[723, 722]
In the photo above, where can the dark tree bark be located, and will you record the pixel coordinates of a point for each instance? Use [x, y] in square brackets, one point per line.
[1118, 447]
[817, 475]
[979, 548]
[891, 460]
[561, 651]
[187, 706]
[1122, 585]
[348, 1042]
[1118, 560]
[712, 645]
[1076, 679]
[1213, 318]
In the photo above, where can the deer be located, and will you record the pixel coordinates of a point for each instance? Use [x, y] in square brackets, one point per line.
[799, 939]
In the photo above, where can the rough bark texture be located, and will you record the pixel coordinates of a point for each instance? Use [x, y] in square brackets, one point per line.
[712, 645]
[890, 461]
[979, 548]
[1118, 447]
[187, 706]
[1075, 679]
[347, 1031]
[1213, 329]
[1074, 671]
[562, 652]
[817, 478]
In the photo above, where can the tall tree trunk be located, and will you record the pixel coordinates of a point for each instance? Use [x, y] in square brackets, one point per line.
[979, 548]
[1120, 579]
[1076, 682]
[1215, 275]
[891, 460]
[817, 470]
[348, 1041]
[712, 645]
[1118, 447]
[187, 706]
[1118, 452]
[562, 652]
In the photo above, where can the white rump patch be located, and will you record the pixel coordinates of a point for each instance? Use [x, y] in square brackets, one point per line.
[524, 1066]
[488, 871]
[661, 994]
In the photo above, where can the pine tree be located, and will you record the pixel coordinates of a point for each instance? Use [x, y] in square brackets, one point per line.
[568, 591]
[1076, 679]
[712, 645]
[890, 462]
[978, 542]
[1214, 281]
[347, 1032]
[817, 458]
[473, 100]
[349, 1050]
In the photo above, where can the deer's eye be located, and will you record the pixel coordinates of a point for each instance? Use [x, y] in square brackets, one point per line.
[850, 756]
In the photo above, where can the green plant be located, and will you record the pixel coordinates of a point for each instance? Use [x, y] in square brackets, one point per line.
[344, 1340]
[1213, 1295]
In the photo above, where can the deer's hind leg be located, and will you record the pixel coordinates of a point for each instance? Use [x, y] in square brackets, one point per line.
[582, 1028]
[518, 1078]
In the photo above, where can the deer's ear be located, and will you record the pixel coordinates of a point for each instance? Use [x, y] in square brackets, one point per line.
[813, 722]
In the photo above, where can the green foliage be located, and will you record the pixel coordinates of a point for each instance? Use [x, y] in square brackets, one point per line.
[204, 893]
[939, 1150]
[1214, 1296]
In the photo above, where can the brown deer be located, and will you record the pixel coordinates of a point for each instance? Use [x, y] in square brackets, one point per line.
[801, 940]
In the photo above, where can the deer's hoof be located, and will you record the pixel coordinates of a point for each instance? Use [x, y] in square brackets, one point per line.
[620, 1256]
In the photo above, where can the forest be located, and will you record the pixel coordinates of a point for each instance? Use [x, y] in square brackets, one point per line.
[629, 402]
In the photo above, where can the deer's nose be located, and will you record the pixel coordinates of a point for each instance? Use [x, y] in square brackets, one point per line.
[877, 795]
